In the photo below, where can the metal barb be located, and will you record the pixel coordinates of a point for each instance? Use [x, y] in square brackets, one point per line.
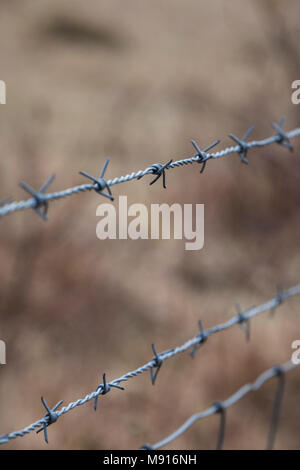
[100, 183]
[243, 146]
[158, 169]
[39, 197]
[157, 364]
[243, 321]
[202, 154]
[283, 139]
[51, 417]
[220, 408]
[276, 407]
[103, 389]
[202, 337]
[279, 300]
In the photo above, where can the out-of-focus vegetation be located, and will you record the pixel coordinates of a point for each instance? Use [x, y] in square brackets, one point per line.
[136, 80]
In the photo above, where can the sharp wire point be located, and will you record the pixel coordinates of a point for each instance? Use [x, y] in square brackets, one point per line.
[202, 154]
[40, 203]
[159, 170]
[104, 388]
[104, 168]
[251, 128]
[39, 197]
[50, 417]
[243, 145]
[282, 137]
[202, 337]
[243, 321]
[47, 184]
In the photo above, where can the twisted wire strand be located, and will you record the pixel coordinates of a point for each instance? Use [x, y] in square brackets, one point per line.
[32, 202]
[163, 356]
[237, 396]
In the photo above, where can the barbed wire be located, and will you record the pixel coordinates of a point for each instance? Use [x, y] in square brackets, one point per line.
[242, 319]
[221, 407]
[40, 200]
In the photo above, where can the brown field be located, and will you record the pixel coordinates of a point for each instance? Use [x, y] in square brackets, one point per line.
[136, 80]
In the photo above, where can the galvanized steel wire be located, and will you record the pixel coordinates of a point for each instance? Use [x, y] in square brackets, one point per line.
[242, 319]
[40, 200]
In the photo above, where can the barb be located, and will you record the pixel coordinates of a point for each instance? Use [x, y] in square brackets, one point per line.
[163, 356]
[222, 406]
[283, 138]
[158, 169]
[104, 389]
[202, 154]
[202, 337]
[244, 321]
[39, 197]
[50, 417]
[100, 183]
[157, 364]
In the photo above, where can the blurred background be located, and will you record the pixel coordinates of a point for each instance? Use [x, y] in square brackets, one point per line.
[136, 80]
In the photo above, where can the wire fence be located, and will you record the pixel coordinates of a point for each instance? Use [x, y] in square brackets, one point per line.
[242, 318]
[221, 407]
[39, 200]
